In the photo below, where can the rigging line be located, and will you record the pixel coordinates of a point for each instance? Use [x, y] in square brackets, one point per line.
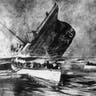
[13, 33]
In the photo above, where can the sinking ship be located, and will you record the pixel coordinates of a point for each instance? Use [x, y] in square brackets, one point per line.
[52, 38]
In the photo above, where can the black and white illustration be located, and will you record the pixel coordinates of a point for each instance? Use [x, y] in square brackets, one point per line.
[47, 48]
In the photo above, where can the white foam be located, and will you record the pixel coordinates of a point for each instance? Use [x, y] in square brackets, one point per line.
[45, 74]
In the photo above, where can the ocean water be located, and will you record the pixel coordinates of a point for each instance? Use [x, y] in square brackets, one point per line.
[81, 84]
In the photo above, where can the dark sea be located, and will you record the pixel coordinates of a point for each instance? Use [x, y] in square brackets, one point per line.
[83, 84]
